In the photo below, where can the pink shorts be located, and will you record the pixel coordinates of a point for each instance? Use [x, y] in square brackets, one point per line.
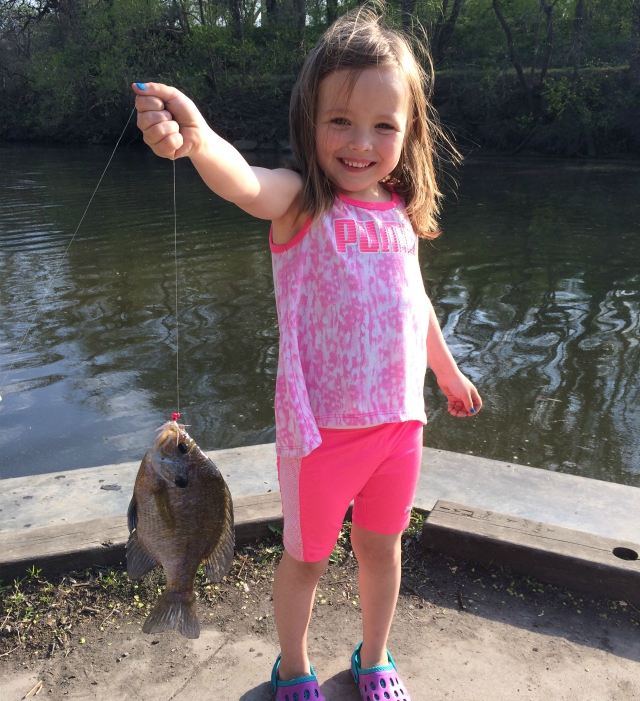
[376, 467]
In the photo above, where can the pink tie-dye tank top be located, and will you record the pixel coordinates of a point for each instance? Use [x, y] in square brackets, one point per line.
[353, 317]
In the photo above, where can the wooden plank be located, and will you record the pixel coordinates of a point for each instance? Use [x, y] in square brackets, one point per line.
[253, 514]
[64, 548]
[552, 554]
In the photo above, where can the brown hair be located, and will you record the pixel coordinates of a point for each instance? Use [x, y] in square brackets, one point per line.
[359, 40]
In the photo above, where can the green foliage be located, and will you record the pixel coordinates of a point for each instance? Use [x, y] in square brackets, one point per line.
[414, 529]
[72, 75]
[66, 67]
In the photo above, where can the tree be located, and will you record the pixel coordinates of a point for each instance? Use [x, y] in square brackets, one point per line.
[271, 7]
[236, 17]
[514, 56]
[532, 86]
[300, 8]
[408, 7]
[578, 29]
[444, 29]
[635, 38]
[546, 60]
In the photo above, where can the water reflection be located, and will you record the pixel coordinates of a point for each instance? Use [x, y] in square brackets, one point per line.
[97, 374]
[536, 282]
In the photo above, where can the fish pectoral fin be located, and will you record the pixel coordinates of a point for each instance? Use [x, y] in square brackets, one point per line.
[174, 610]
[139, 562]
[132, 514]
[217, 564]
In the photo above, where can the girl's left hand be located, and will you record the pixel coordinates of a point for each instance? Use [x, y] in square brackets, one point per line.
[463, 398]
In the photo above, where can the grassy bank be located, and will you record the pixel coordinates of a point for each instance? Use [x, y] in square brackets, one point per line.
[595, 115]
[51, 617]
[66, 67]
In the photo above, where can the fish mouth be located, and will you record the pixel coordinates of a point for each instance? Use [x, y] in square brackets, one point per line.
[171, 454]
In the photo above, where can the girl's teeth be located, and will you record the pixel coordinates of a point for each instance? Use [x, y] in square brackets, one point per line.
[355, 165]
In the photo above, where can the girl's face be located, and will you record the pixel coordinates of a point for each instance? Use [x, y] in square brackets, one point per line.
[360, 129]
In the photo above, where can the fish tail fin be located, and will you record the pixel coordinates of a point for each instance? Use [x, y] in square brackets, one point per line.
[174, 610]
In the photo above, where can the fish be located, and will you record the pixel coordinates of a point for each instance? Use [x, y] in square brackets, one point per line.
[180, 516]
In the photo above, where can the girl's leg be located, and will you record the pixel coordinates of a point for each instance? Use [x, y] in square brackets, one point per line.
[379, 560]
[294, 590]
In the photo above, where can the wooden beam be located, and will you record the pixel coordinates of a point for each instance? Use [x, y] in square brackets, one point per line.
[559, 556]
[65, 548]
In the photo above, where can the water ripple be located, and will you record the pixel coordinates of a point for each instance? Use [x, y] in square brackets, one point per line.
[537, 290]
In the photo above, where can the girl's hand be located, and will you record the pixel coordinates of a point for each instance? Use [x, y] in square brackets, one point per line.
[170, 123]
[173, 127]
[462, 396]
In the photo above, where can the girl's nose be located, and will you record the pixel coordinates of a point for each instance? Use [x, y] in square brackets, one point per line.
[360, 141]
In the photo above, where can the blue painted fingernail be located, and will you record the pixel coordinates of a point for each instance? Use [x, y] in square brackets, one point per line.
[141, 86]
[472, 410]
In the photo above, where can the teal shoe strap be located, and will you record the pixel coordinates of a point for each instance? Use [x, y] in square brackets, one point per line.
[357, 670]
[275, 682]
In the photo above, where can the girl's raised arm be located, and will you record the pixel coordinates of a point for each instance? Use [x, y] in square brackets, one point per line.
[173, 127]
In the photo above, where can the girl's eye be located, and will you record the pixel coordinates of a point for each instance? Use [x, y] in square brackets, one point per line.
[340, 121]
[387, 127]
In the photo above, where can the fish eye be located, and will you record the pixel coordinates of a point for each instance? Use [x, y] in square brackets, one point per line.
[181, 481]
[183, 447]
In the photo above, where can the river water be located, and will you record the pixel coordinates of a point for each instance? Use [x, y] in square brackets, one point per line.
[536, 281]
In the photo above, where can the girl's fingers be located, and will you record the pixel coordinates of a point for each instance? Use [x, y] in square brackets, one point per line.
[157, 96]
[169, 146]
[469, 406]
[169, 120]
[476, 401]
[156, 133]
[159, 90]
[173, 143]
[149, 119]
[148, 103]
[164, 141]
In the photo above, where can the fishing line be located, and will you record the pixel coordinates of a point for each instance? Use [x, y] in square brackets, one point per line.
[175, 255]
[64, 255]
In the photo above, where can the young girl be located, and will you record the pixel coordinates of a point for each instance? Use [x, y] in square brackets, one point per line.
[356, 325]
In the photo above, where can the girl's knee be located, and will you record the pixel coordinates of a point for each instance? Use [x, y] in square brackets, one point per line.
[307, 572]
[370, 547]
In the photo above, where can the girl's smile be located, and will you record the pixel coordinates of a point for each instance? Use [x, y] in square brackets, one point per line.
[360, 129]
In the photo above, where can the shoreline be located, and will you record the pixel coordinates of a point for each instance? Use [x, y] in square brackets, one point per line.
[61, 522]
[607, 509]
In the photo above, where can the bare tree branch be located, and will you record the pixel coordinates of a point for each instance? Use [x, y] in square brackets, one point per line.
[578, 28]
[634, 61]
[445, 27]
[548, 11]
[332, 11]
[408, 8]
[514, 57]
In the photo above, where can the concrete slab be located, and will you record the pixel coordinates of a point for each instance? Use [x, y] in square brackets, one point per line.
[68, 497]
[73, 546]
[583, 504]
[599, 566]
[602, 508]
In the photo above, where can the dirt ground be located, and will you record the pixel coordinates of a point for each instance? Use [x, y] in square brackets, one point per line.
[463, 631]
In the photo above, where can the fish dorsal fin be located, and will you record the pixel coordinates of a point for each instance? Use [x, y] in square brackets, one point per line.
[132, 514]
[217, 564]
[139, 562]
